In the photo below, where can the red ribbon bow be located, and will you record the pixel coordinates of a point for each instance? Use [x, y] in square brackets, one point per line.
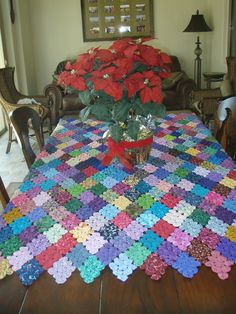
[118, 150]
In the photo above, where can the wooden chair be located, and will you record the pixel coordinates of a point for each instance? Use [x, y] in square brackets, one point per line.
[231, 66]
[4, 197]
[224, 126]
[22, 119]
[206, 101]
[10, 96]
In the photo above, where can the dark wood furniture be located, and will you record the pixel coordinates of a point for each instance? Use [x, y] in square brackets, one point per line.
[177, 97]
[224, 126]
[205, 101]
[4, 197]
[9, 97]
[231, 66]
[22, 118]
[211, 77]
[204, 294]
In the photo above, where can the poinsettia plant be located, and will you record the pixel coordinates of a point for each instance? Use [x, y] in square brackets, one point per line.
[119, 83]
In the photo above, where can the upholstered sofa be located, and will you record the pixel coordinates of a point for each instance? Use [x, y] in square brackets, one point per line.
[177, 90]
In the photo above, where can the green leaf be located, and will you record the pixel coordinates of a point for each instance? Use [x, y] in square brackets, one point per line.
[138, 107]
[104, 101]
[105, 97]
[84, 113]
[154, 109]
[101, 111]
[116, 132]
[133, 129]
[121, 110]
[85, 97]
[158, 110]
[139, 67]
[71, 90]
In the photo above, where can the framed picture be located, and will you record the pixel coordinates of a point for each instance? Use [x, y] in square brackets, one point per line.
[112, 19]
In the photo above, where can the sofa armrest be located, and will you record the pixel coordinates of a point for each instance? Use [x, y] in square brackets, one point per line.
[55, 95]
[184, 89]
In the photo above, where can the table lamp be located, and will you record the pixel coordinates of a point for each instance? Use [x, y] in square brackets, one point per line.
[197, 24]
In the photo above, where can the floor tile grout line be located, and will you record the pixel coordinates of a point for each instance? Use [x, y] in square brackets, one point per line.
[100, 297]
[23, 302]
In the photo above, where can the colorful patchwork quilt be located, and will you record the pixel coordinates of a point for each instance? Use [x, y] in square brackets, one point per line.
[74, 214]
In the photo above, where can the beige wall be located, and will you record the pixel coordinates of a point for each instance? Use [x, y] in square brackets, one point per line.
[51, 31]
[172, 17]
[26, 36]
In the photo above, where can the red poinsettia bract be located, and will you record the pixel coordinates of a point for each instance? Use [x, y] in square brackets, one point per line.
[103, 80]
[122, 44]
[127, 69]
[68, 79]
[133, 83]
[151, 88]
[147, 83]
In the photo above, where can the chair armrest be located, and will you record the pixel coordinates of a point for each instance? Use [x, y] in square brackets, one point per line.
[8, 107]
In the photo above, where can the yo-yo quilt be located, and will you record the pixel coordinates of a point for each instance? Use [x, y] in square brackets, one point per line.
[72, 213]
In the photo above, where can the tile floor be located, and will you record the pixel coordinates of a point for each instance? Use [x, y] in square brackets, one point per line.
[13, 167]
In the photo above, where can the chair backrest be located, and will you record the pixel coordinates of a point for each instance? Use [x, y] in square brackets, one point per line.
[21, 119]
[231, 65]
[4, 197]
[7, 85]
[227, 103]
[225, 130]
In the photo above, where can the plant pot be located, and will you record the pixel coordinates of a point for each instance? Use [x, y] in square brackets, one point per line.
[139, 155]
[129, 153]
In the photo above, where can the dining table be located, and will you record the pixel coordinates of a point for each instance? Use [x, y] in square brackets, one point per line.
[81, 236]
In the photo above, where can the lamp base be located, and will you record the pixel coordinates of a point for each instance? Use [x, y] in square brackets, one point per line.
[198, 64]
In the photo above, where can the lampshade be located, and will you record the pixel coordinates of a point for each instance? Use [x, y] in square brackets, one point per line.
[197, 24]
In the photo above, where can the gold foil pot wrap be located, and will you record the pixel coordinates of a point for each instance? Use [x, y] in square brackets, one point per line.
[142, 134]
[141, 154]
[138, 155]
